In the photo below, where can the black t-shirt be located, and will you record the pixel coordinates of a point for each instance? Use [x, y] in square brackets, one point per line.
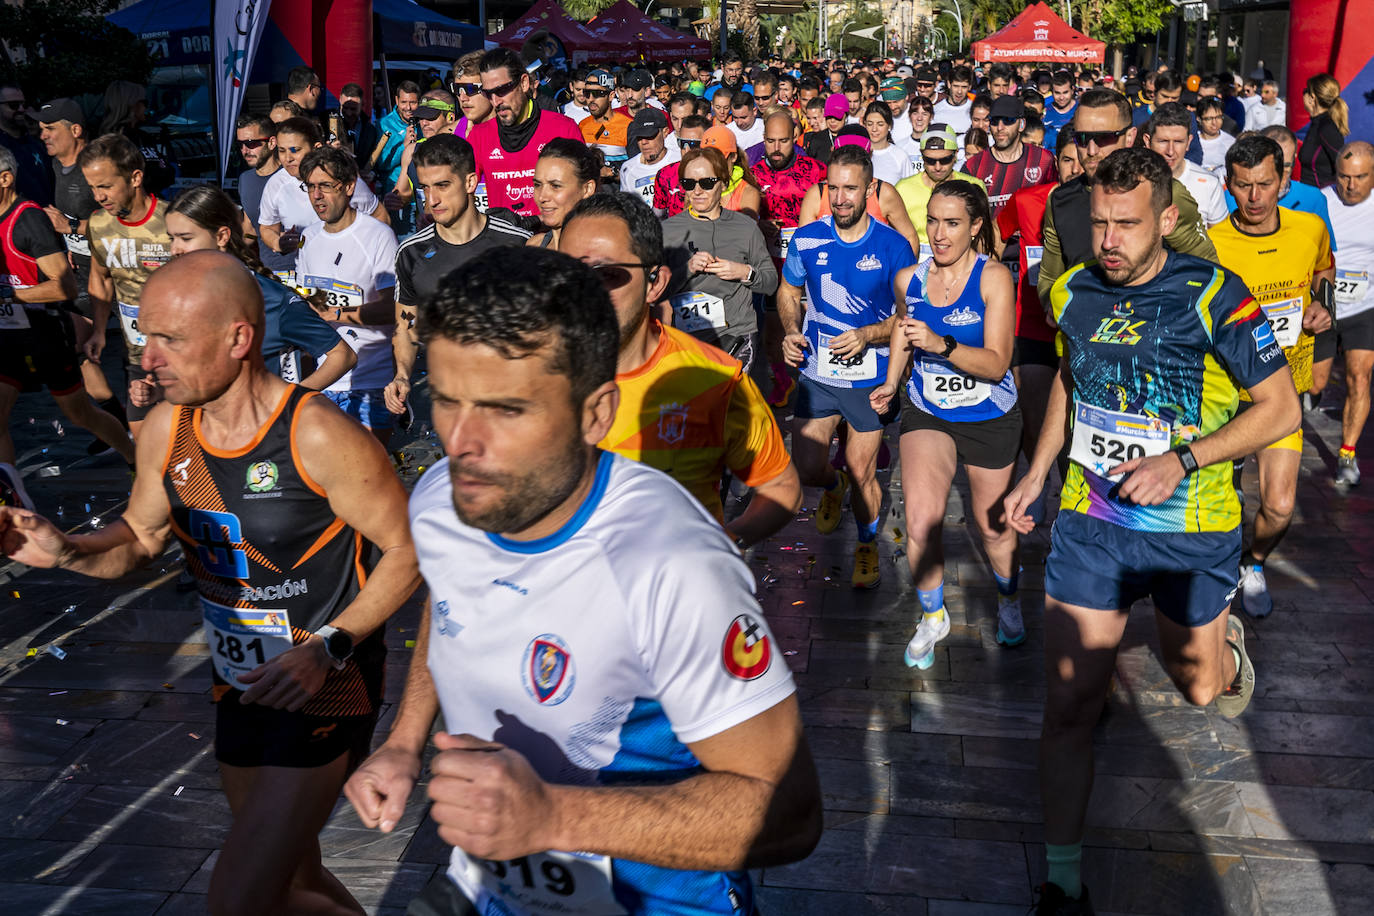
[34, 235]
[73, 197]
[424, 259]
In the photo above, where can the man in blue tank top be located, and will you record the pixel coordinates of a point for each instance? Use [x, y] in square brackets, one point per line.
[281, 504]
[846, 262]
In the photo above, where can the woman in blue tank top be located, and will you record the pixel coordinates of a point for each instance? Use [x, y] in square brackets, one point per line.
[959, 405]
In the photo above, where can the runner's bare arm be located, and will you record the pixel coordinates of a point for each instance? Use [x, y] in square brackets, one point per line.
[757, 803]
[351, 467]
[403, 351]
[100, 288]
[811, 204]
[269, 234]
[60, 285]
[337, 361]
[380, 311]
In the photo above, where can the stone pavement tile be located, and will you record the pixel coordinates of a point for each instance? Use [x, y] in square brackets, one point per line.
[115, 672]
[155, 625]
[185, 905]
[1282, 769]
[947, 714]
[426, 847]
[37, 860]
[134, 868]
[1143, 803]
[1298, 733]
[1130, 881]
[153, 816]
[1289, 886]
[853, 785]
[374, 882]
[883, 746]
[773, 900]
[849, 708]
[966, 792]
[169, 706]
[873, 825]
[1262, 848]
[40, 739]
[1112, 837]
[345, 835]
[72, 704]
[1181, 726]
[899, 864]
[1306, 813]
[970, 908]
[135, 752]
[40, 898]
[27, 809]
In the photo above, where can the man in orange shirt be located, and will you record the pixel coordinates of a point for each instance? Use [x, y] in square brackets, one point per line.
[605, 128]
[686, 407]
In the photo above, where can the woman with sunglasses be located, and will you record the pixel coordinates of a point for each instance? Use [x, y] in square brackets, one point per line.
[567, 172]
[742, 193]
[958, 407]
[890, 163]
[718, 259]
[298, 345]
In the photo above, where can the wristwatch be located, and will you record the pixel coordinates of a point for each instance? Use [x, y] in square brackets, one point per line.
[1185, 455]
[753, 275]
[950, 344]
[338, 645]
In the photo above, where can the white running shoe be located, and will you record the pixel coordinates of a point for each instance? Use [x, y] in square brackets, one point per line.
[1011, 630]
[1253, 592]
[1347, 474]
[920, 652]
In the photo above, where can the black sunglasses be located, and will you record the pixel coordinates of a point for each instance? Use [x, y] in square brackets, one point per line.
[503, 90]
[1100, 137]
[943, 160]
[616, 274]
[1001, 121]
[684, 143]
[596, 93]
[15, 106]
[690, 184]
[467, 88]
[252, 144]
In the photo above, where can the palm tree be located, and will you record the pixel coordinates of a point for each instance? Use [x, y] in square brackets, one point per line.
[583, 10]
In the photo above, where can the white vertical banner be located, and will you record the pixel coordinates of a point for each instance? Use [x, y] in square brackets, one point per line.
[238, 26]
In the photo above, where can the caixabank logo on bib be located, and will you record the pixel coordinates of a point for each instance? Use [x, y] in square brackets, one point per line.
[547, 670]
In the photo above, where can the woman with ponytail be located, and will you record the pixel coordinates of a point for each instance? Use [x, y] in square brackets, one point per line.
[1327, 132]
[297, 344]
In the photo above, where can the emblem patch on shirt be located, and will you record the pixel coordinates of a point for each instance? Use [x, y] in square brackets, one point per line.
[262, 476]
[547, 670]
[672, 423]
[747, 651]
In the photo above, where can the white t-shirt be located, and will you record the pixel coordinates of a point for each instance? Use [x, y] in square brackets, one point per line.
[576, 112]
[1206, 190]
[1260, 115]
[1214, 152]
[958, 117]
[892, 164]
[599, 652]
[353, 267]
[284, 203]
[747, 138]
[1355, 266]
[638, 178]
[911, 146]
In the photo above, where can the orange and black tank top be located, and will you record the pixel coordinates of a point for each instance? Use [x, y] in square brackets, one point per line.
[259, 533]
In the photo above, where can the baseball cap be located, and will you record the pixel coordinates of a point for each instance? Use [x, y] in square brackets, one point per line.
[61, 110]
[721, 138]
[927, 75]
[904, 72]
[637, 79]
[602, 79]
[940, 139]
[1008, 106]
[433, 108]
[892, 89]
[648, 122]
[837, 106]
[853, 135]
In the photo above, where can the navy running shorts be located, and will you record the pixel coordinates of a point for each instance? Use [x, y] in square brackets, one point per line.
[816, 400]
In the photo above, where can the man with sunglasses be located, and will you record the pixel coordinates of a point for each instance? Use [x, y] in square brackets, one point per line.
[657, 149]
[1010, 164]
[1102, 125]
[939, 149]
[467, 89]
[16, 136]
[437, 115]
[926, 78]
[257, 141]
[507, 147]
[606, 127]
[669, 198]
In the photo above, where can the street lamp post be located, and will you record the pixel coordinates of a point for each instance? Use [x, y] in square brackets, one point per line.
[957, 18]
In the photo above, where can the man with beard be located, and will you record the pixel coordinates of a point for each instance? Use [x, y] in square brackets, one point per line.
[648, 135]
[507, 147]
[298, 657]
[605, 127]
[847, 262]
[1156, 345]
[568, 586]
[1010, 164]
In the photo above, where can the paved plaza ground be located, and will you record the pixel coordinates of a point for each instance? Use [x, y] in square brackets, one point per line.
[110, 802]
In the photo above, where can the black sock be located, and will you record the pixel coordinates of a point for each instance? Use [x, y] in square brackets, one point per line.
[115, 409]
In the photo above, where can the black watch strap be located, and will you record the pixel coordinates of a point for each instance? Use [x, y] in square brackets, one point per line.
[950, 344]
[1185, 455]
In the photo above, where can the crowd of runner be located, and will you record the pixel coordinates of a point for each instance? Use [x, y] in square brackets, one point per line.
[614, 283]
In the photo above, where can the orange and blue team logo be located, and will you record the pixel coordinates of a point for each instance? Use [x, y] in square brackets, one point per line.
[547, 670]
[748, 650]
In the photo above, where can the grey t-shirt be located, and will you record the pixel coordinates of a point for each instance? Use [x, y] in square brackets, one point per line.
[703, 304]
[250, 195]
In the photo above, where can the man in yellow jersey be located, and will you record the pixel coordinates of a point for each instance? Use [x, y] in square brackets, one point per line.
[686, 407]
[1281, 255]
[939, 148]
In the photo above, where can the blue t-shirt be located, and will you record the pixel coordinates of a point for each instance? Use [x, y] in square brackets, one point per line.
[1302, 197]
[1055, 121]
[936, 385]
[250, 196]
[848, 285]
[295, 338]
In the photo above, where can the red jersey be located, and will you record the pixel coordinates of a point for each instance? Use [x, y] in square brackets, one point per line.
[1025, 214]
[1035, 166]
[668, 193]
[509, 174]
[784, 189]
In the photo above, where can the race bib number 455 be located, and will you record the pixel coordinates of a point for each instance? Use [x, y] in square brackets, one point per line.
[1102, 439]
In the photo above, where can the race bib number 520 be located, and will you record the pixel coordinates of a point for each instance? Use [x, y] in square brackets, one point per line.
[1102, 439]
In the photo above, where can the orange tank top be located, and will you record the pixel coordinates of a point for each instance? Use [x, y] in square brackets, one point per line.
[874, 208]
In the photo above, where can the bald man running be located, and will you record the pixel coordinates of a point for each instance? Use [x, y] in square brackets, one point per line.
[294, 527]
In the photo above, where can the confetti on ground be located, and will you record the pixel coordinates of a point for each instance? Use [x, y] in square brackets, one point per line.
[56, 652]
[194, 735]
[178, 791]
[56, 693]
[796, 603]
[31, 653]
[61, 721]
[410, 644]
[789, 652]
[167, 686]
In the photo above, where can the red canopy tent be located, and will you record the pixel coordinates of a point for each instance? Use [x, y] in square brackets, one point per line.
[551, 33]
[625, 26]
[1037, 34]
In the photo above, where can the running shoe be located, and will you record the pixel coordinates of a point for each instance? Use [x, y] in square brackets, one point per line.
[12, 492]
[920, 652]
[1234, 699]
[832, 505]
[867, 568]
[1011, 630]
[98, 448]
[783, 386]
[1253, 592]
[1347, 473]
[1052, 901]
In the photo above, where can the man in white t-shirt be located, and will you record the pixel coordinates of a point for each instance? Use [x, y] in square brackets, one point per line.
[286, 210]
[649, 134]
[1270, 110]
[577, 107]
[1350, 207]
[349, 261]
[1168, 132]
[619, 722]
[745, 123]
[956, 109]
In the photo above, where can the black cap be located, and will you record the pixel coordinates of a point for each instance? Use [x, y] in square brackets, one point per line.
[1008, 106]
[61, 110]
[637, 79]
[926, 74]
[648, 122]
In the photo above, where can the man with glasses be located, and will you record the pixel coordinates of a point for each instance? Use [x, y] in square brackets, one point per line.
[956, 109]
[732, 72]
[669, 198]
[1010, 164]
[766, 91]
[507, 147]
[662, 372]
[16, 136]
[648, 134]
[257, 142]
[605, 128]
[939, 149]
[467, 89]
[1102, 125]
[926, 78]
[350, 260]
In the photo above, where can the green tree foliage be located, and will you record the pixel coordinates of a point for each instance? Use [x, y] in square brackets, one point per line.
[66, 48]
[584, 10]
[1121, 21]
